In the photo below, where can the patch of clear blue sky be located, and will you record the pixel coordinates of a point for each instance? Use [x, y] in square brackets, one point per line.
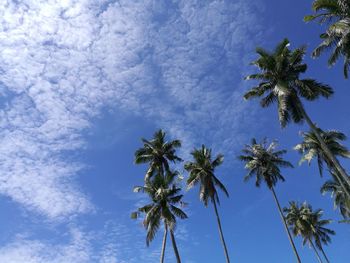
[251, 224]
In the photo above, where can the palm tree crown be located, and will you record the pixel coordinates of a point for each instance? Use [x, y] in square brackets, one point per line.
[298, 218]
[335, 13]
[264, 163]
[308, 224]
[165, 197]
[157, 152]
[202, 171]
[320, 232]
[280, 82]
[311, 148]
[341, 199]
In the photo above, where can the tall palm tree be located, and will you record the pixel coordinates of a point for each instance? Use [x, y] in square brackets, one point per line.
[311, 148]
[308, 224]
[264, 163]
[335, 14]
[280, 82]
[321, 234]
[298, 219]
[165, 197]
[341, 200]
[158, 152]
[201, 171]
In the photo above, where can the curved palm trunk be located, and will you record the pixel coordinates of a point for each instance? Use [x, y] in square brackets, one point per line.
[285, 225]
[324, 254]
[220, 232]
[314, 248]
[176, 251]
[164, 244]
[328, 153]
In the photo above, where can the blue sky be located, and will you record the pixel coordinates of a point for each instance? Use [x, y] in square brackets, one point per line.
[82, 81]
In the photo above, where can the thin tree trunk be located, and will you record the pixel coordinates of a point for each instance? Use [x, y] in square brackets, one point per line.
[324, 254]
[328, 153]
[164, 243]
[317, 255]
[176, 251]
[285, 225]
[220, 232]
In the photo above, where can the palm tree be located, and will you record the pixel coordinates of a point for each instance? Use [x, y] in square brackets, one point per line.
[201, 171]
[341, 200]
[309, 225]
[264, 163]
[165, 196]
[311, 148]
[298, 219]
[336, 14]
[280, 80]
[158, 153]
[320, 232]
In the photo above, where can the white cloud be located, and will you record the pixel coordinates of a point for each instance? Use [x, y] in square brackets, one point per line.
[115, 243]
[32, 251]
[53, 87]
[61, 61]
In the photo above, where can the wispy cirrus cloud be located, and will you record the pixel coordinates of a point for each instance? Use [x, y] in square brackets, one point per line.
[114, 243]
[178, 64]
[33, 251]
[53, 85]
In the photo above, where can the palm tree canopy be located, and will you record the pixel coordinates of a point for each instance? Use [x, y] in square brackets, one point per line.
[336, 14]
[341, 200]
[201, 171]
[310, 147]
[320, 232]
[308, 224]
[157, 152]
[264, 162]
[165, 197]
[297, 218]
[280, 82]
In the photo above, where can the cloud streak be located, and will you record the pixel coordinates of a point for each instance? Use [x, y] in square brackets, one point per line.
[61, 61]
[33, 251]
[114, 243]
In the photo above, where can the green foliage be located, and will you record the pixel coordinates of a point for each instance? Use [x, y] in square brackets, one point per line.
[157, 153]
[305, 222]
[310, 147]
[263, 162]
[341, 199]
[165, 198]
[279, 82]
[335, 14]
[201, 171]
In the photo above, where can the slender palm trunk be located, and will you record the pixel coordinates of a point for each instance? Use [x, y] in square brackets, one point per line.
[164, 243]
[314, 248]
[220, 232]
[285, 225]
[328, 153]
[324, 254]
[176, 251]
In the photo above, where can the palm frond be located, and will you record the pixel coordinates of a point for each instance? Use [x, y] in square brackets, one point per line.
[178, 212]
